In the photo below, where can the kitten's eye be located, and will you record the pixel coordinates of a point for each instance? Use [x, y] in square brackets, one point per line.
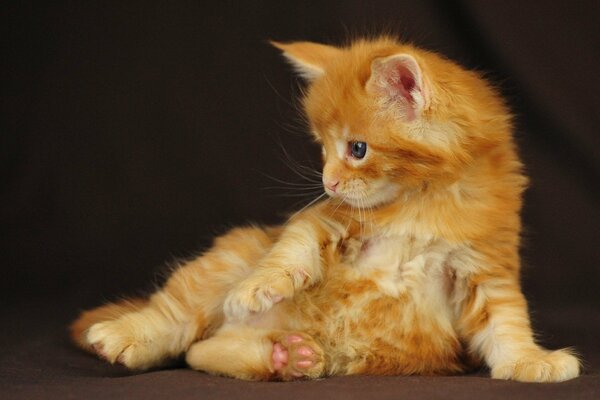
[358, 149]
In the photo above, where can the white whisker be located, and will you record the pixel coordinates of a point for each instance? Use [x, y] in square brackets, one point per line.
[306, 206]
[296, 167]
[307, 194]
[290, 183]
[371, 218]
[336, 208]
[295, 187]
[361, 216]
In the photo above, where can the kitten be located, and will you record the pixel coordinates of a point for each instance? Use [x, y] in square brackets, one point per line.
[410, 267]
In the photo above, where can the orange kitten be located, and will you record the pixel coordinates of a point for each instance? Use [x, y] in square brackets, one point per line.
[410, 267]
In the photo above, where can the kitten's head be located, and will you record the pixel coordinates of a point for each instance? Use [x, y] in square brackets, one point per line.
[393, 119]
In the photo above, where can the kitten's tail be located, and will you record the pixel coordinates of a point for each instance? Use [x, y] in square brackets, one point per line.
[78, 329]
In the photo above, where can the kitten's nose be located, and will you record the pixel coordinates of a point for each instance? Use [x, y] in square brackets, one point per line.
[331, 184]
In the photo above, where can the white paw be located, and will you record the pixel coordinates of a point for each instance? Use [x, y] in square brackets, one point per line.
[543, 366]
[116, 342]
[245, 300]
[260, 291]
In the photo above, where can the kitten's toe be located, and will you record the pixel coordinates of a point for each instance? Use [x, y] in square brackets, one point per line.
[107, 344]
[99, 350]
[279, 357]
[297, 356]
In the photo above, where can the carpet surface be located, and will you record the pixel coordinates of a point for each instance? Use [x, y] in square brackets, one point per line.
[37, 361]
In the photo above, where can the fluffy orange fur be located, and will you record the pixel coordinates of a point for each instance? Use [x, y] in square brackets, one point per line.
[411, 266]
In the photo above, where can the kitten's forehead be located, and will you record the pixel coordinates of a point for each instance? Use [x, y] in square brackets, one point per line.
[339, 135]
[347, 122]
[331, 136]
[345, 133]
[336, 134]
[340, 106]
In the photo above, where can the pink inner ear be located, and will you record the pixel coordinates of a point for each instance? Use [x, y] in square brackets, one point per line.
[402, 81]
[398, 80]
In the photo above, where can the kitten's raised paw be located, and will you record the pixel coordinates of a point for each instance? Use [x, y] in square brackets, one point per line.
[260, 291]
[115, 342]
[296, 356]
[542, 366]
[248, 299]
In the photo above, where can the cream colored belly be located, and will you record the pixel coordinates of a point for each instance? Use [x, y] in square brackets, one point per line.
[389, 292]
[415, 278]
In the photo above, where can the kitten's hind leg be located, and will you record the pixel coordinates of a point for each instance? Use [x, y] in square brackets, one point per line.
[147, 338]
[255, 354]
[174, 317]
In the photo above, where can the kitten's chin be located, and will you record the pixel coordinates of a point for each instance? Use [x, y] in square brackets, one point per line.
[380, 197]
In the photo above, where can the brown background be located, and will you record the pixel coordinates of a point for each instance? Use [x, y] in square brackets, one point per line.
[133, 132]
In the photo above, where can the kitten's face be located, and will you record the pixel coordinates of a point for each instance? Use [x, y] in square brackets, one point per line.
[369, 165]
[360, 106]
[386, 127]
[353, 170]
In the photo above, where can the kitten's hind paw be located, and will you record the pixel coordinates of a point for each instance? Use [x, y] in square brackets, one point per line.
[116, 342]
[296, 356]
[542, 366]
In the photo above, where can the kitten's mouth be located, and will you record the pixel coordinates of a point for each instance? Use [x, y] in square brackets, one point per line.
[358, 201]
[378, 198]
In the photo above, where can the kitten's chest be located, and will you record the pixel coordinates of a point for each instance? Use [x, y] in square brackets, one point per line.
[403, 264]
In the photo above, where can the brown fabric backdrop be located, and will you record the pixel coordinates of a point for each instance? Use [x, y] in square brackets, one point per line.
[133, 132]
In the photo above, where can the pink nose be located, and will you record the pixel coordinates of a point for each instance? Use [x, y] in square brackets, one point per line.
[331, 184]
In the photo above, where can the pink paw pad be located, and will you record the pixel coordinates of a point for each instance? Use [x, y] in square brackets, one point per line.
[292, 357]
[279, 356]
[294, 339]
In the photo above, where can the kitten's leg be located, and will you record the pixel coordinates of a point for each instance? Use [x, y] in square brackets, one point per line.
[181, 312]
[496, 321]
[292, 264]
[255, 354]
[148, 337]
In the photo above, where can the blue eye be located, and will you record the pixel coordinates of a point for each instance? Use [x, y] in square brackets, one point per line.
[358, 149]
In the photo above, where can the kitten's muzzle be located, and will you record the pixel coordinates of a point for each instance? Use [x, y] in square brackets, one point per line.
[331, 184]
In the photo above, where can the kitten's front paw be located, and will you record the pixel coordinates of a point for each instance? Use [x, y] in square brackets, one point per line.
[258, 292]
[542, 366]
[250, 298]
[116, 342]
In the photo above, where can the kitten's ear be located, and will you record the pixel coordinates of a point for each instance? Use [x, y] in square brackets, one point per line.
[309, 59]
[398, 80]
